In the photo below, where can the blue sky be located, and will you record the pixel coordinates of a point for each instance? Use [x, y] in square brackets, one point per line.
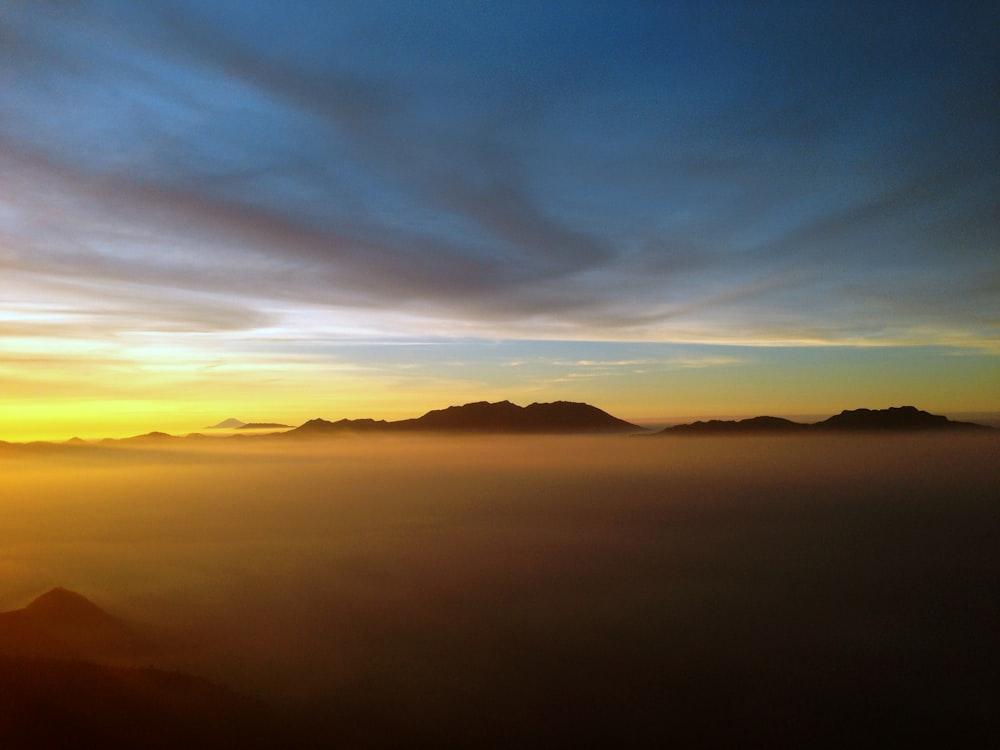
[266, 180]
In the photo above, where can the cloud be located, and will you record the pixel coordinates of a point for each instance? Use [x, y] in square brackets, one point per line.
[661, 174]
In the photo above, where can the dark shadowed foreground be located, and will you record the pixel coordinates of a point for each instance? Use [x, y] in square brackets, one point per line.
[526, 591]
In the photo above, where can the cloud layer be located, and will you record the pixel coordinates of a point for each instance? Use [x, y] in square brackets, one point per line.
[649, 172]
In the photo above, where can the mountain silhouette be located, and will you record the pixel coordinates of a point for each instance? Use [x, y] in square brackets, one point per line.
[893, 419]
[321, 426]
[502, 416]
[557, 417]
[149, 437]
[482, 416]
[227, 424]
[64, 624]
[754, 424]
[61, 605]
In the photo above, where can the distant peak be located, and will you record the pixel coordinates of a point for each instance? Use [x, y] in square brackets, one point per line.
[149, 437]
[58, 594]
[64, 604]
[231, 423]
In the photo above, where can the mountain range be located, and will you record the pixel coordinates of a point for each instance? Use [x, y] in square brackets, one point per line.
[482, 416]
[893, 419]
[558, 417]
[566, 417]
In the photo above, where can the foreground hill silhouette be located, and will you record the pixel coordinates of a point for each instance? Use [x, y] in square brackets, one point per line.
[64, 624]
[47, 704]
[58, 689]
[564, 417]
[893, 419]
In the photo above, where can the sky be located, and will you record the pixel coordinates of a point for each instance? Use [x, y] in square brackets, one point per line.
[277, 211]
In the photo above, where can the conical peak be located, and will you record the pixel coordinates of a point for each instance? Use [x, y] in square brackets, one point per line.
[64, 604]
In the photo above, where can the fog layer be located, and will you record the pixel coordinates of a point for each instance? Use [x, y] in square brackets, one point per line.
[616, 590]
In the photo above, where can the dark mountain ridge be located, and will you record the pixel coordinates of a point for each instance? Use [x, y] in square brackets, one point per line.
[893, 419]
[754, 424]
[562, 417]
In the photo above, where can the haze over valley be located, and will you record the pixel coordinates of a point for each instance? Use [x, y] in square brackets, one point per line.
[386, 590]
